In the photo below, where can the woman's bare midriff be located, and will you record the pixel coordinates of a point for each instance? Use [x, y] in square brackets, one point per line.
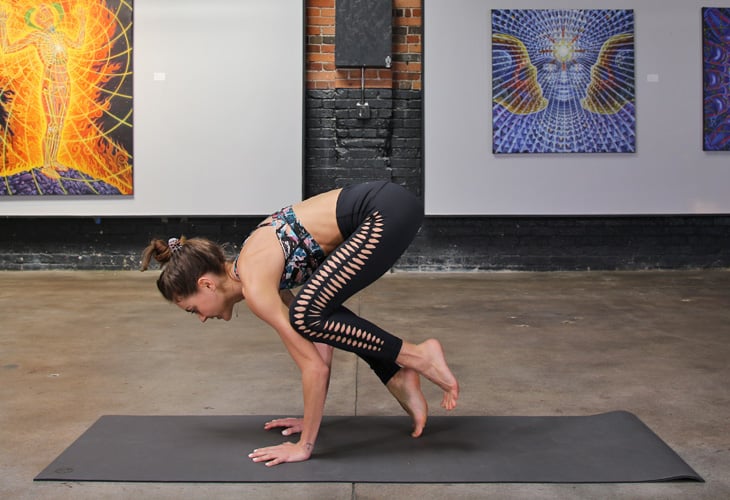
[318, 215]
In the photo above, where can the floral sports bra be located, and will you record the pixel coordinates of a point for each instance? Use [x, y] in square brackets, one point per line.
[302, 254]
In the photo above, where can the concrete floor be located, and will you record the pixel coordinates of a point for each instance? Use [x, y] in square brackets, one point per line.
[78, 345]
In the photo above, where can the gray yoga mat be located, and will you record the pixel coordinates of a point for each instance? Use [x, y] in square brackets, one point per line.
[611, 447]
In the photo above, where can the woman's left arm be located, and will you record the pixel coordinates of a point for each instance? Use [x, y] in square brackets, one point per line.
[293, 425]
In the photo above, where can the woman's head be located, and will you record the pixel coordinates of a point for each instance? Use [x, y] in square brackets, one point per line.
[44, 16]
[184, 262]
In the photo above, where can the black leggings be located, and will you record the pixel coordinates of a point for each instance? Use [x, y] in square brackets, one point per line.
[378, 221]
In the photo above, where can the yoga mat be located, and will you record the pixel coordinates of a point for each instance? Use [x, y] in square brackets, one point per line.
[610, 447]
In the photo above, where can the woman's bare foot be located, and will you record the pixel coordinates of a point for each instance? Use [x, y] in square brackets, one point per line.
[50, 172]
[428, 359]
[60, 167]
[405, 386]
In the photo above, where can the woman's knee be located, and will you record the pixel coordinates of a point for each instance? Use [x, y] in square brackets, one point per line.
[296, 315]
[300, 317]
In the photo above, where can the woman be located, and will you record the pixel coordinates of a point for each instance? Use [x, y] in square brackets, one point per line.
[52, 45]
[332, 245]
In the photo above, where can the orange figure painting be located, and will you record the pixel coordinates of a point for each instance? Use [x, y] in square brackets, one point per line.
[66, 97]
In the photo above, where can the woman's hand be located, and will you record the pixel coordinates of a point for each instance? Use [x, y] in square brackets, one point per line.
[291, 425]
[81, 15]
[285, 452]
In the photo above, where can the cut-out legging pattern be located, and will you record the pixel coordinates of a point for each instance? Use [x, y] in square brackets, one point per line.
[317, 312]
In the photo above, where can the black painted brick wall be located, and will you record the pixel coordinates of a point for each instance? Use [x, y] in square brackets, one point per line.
[108, 243]
[341, 148]
[443, 243]
[570, 243]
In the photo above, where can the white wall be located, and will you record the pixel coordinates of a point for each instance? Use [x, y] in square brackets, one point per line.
[669, 173]
[222, 133]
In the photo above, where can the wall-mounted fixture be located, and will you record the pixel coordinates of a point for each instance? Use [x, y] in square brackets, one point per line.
[363, 39]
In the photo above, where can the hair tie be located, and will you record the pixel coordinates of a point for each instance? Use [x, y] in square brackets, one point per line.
[175, 245]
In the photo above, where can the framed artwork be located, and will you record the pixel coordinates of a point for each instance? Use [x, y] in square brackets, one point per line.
[716, 78]
[563, 81]
[66, 97]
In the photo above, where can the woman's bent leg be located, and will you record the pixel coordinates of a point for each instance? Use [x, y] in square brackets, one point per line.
[371, 250]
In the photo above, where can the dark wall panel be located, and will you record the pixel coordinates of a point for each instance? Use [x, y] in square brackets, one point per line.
[363, 33]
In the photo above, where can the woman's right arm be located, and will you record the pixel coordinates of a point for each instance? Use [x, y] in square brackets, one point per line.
[293, 425]
[260, 283]
[5, 44]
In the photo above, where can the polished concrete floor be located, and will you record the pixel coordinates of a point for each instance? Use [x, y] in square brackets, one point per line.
[78, 345]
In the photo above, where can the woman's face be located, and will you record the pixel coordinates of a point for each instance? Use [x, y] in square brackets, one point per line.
[208, 302]
[44, 17]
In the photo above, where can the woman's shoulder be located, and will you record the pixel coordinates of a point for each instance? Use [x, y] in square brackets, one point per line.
[259, 241]
[261, 261]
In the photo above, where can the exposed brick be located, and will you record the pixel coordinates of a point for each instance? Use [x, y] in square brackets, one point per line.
[400, 4]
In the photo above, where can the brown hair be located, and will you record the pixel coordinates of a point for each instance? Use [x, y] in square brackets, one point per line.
[183, 265]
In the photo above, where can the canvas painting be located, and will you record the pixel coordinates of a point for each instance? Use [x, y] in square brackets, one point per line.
[716, 78]
[563, 81]
[66, 98]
